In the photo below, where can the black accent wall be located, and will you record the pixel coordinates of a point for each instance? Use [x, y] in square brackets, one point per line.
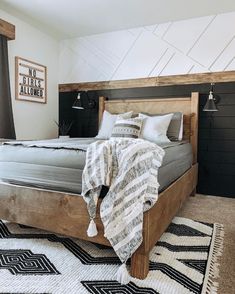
[216, 144]
[85, 122]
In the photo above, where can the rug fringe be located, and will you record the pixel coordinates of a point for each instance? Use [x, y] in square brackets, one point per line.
[210, 286]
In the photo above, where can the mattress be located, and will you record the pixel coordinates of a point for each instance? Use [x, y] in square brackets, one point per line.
[47, 156]
[61, 169]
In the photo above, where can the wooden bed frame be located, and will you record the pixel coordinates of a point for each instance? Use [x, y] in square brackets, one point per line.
[66, 213]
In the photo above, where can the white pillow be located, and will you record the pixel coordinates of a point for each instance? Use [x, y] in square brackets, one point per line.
[154, 128]
[107, 123]
[175, 129]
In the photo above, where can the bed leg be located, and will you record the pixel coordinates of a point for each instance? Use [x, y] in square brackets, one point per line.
[139, 265]
[193, 193]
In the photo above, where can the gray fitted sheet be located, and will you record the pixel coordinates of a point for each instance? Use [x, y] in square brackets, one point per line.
[61, 169]
[73, 158]
[46, 156]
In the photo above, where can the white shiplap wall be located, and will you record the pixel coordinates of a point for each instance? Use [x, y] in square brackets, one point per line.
[190, 46]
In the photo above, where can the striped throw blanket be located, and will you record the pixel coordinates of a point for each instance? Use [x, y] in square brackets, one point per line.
[129, 168]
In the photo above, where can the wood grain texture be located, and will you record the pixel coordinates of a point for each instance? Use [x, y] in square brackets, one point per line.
[194, 124]
[139, 265]
[215, 77]
[7, 29]
[101, 108]
[58, 212]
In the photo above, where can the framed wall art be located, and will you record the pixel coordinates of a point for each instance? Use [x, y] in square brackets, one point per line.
[31, 81]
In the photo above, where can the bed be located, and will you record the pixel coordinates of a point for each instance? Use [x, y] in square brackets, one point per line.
[65, 211]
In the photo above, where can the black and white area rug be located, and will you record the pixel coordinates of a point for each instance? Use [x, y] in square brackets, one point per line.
[34, 261]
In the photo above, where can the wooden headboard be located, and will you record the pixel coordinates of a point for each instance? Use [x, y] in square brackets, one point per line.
[187, 105]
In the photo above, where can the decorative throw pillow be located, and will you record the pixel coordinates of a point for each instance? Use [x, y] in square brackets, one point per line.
[175, 129]
[155, 127]
[107, 124]
[127, 128]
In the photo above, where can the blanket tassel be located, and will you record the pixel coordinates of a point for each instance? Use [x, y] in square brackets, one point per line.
[92, 229]
[123, 276]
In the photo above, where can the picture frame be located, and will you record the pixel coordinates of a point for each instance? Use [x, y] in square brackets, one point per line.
[30, 81]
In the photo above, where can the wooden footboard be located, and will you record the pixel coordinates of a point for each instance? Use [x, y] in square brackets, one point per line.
[57, 212]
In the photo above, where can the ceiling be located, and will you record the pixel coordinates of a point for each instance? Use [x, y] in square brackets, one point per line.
[75, 18]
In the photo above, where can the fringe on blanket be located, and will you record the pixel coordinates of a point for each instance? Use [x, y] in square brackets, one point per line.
[92, 229]
[122, 275]
[210, 285]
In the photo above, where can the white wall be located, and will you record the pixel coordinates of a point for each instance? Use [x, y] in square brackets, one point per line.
[34, 120]
[190, 46]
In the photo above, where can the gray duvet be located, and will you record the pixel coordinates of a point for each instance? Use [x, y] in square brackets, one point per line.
[61, 168]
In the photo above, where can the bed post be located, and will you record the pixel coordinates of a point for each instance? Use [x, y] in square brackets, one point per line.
[101, 107]
[140, 258]
[194, 124]
[194, 129]
[139, 265]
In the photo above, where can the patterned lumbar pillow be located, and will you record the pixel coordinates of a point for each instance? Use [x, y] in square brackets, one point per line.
[107, 124]
[127, 128]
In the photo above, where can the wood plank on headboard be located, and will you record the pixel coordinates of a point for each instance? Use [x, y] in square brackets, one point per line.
[186, 79]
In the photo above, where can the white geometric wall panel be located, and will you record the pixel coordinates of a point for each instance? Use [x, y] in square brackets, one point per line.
[141, 57]
[214, 40]
[226, 57]
[184, 34]
[204, 44]
[231, 65]
[162, 28]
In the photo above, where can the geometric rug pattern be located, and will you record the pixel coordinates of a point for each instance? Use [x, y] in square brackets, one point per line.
[36, 261]
[24, 262]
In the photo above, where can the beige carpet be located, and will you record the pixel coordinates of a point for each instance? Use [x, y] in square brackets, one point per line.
[221, 210]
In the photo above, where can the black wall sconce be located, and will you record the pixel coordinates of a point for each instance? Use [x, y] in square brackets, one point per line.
[79, 103]
[211, 101]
